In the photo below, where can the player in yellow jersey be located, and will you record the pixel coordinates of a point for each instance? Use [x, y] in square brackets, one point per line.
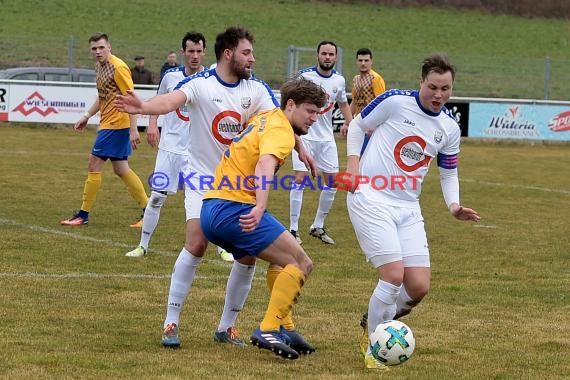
[117, 133]
[366, 85]
[234, 213]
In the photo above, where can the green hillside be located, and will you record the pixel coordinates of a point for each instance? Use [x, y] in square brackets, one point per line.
[497, 56]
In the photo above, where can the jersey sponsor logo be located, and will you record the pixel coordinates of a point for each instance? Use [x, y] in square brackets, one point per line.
[226, 125]
[409, 153]
[326, 109]
[182, 113]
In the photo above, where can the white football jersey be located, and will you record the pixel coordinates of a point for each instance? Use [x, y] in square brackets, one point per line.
[406, 138]
[219, 111]
[335, 87]
[175, 131]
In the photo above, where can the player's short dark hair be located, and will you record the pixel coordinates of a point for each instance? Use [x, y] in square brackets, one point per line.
[438, 63]
[98, 36]
[326, 43]
[230, 38]
[302, 90]
[195, 37]
[364, 51]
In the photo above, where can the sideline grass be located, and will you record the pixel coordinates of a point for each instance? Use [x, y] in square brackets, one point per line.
[72, 306]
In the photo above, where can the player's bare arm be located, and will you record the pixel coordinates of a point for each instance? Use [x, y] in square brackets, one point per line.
[158, 105]
[347, 113]
[152, 132]
[265, 168]
[82, 122]
[305, 156]
[134, 132]
[352, 170]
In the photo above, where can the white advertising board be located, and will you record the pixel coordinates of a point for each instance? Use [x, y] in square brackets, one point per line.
[45, 103]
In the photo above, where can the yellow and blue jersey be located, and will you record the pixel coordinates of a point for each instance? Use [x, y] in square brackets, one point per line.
[268, 132]
[365, 88]
[113, 78]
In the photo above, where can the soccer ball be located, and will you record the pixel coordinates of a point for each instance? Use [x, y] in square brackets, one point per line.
[392, 343]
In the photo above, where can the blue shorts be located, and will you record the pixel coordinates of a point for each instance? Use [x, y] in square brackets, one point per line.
[112, 143]
[219, 219]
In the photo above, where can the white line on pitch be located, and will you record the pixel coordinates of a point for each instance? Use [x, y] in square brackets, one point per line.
[111, 243]
[561, 191]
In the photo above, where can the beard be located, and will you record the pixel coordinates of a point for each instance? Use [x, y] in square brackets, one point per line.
[240, 71]
[326, 66]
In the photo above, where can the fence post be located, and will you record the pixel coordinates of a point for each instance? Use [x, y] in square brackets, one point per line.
[70, 45]
[546, 77]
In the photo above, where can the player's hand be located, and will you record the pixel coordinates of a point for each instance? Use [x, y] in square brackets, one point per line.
[352, 173]
[344, 130]
[152, 136]
[249, 222]
[129, 103]
[135, 139]
[309, 162]
[81, 124]
[464, 213]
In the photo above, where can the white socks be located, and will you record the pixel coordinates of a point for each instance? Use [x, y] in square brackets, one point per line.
[326, 200]
[237, 290]
[183, 275]
[151, 217]
[295, 203]
[382, 305]
[404, 302]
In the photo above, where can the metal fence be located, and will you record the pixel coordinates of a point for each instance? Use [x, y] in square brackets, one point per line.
[477, 76]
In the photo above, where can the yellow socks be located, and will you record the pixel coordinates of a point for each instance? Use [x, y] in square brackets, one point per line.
[272, 273]
[286, 289]
[135, 188]
[90, 190]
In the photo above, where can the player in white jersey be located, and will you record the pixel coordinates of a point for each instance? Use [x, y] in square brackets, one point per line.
[220, 102]
[411, 128]
[320, 143]
[174, 144]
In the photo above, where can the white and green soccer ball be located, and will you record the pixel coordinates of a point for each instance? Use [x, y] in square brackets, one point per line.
[392, 343]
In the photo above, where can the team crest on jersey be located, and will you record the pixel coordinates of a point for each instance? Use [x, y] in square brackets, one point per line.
[245, 102]
[262, 124]
[438, 136]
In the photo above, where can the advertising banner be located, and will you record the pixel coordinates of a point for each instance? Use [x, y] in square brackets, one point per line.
[519, 121]
[53, 103]
[3, 102]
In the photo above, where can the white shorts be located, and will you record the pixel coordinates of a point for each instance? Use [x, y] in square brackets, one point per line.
[325, 154]
[193, 196]
[167, 171]
[388, 233]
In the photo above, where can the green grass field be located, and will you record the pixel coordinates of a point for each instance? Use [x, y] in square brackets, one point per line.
[497, 56]
[72, 306]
